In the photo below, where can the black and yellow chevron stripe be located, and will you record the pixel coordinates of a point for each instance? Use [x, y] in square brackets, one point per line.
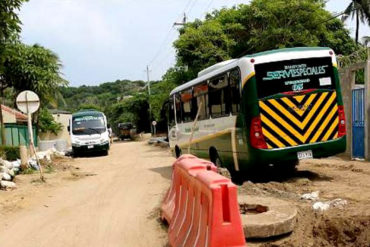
[296, 120]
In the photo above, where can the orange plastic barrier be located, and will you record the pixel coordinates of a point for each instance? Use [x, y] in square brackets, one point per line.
[206, 211]
[189, 162]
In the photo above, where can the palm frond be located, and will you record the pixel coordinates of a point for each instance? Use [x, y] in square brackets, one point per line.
[349, 11]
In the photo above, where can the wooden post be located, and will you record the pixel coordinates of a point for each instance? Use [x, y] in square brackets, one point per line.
[32, 146]
[24, 156]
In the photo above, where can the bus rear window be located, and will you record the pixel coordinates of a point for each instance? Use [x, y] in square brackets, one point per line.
[294, 76]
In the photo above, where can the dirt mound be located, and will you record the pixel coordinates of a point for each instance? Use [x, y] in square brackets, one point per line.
[327, 229]
[338, 231]
[333, 179]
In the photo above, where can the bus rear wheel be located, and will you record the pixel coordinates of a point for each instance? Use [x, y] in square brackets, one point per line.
[237, 177]
[288, 168]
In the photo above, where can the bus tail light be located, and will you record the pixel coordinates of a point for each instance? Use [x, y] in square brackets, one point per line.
[342, 121]
[256, 135]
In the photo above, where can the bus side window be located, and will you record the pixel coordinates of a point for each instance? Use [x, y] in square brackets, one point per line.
[178, 108]
[218, 96]
[201, 96]
[235, 90]
[186, 102]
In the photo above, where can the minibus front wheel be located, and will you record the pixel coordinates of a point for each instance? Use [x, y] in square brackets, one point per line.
[178, 152]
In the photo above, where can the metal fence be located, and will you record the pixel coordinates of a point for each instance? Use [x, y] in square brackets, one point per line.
[16, 135]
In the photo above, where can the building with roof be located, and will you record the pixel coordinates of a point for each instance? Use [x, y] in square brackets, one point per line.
[12, 116]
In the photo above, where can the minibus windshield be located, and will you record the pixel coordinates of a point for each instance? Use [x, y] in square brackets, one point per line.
[88, 125]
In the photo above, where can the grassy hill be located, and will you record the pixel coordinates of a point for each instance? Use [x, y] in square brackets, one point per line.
[101, 96]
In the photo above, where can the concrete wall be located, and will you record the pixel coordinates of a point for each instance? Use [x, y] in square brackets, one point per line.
[9, 117]
[64, 120]
[347, 81]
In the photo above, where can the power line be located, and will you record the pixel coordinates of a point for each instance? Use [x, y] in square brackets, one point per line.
[192, 6]
[188, 4]
[209, 6]
[161, 46]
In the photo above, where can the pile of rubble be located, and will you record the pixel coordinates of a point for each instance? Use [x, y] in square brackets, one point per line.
[9, 169]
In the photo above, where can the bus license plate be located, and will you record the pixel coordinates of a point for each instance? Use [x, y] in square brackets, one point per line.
[305, 155]
[90, 146]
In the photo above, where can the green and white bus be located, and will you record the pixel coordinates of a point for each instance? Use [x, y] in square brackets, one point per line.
[89, 132]
[275, 107]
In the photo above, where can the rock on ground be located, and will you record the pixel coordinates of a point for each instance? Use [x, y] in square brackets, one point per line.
[8, 185]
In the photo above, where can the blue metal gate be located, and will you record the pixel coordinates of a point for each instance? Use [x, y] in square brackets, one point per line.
[358, 123]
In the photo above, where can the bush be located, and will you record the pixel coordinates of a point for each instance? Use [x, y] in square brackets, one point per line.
[9, 153]
[47, 123]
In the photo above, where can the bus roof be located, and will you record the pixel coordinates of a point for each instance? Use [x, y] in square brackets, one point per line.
[233, 63]
[87, 112]
[283, 50]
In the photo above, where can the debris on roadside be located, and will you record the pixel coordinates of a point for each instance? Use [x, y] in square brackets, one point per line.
[323, 206]
[9, 169]
[314, 196]
[8, 185]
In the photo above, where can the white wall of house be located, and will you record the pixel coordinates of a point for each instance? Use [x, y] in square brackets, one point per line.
[62, 118]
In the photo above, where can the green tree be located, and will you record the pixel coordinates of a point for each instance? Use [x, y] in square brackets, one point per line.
[34, 68]
[10, 26]
[47, 123]
[90, 107]
[359, 9]
[134, 110]
[261, 25]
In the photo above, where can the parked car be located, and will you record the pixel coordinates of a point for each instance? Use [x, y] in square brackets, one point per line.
[127, 131]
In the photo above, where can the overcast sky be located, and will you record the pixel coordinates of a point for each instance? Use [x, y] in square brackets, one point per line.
[105, 40]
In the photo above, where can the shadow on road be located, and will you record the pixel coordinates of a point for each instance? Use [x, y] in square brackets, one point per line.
[271, 174]
[164, 171]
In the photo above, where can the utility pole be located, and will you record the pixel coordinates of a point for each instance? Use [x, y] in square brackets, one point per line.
[183, 21]
[149, 93]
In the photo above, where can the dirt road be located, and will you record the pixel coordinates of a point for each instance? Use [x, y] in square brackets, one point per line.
[108, 201]
[113, 201]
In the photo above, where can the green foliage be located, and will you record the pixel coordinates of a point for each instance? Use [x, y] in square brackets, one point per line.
[160, 93]
[102, 96]
[90, 106]
[204, 45]
[261, 25]
[121, 101]
[47, 123]
[10, 27]
[33, 68]
[134, 109]
[9, 20]
[28, 171]
[357, 57]
[9, 153]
